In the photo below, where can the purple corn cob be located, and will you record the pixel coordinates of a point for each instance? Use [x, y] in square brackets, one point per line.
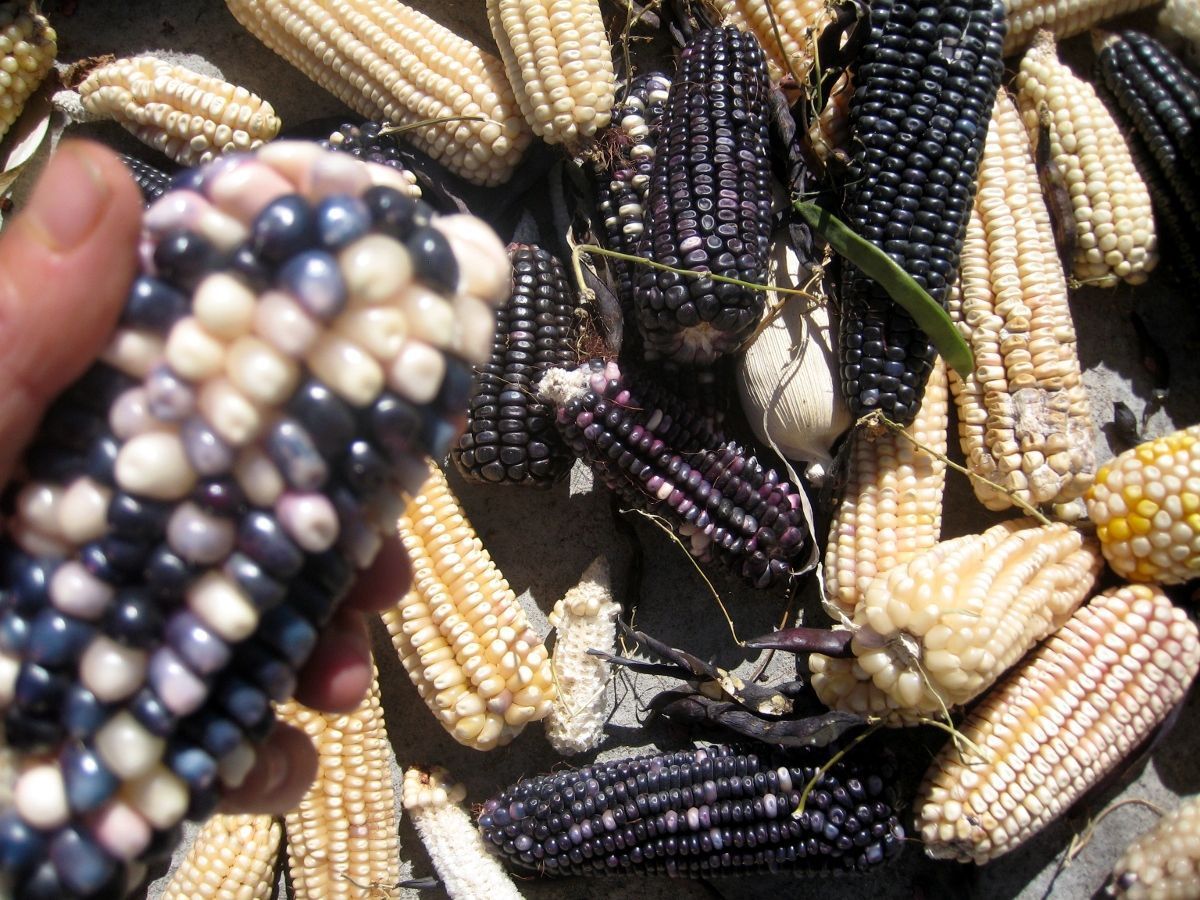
[664, 459]
[196, 506]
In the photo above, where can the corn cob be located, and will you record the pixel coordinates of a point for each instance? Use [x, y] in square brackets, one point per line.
[1159, 98]
[937, 631]
[585, 619]
[1114, 220]
[829, 132]
[343, 835]
[366, 142]
[723, 503]
[455, 848]
[1183, 17]
[1163, 863]
[918, 117]
[1058, 724]
[559, 63]
[1146, 508]
[709, 203]
[510, 436]
[1024, 419]
[28, 46]
[387, 61]
[695, 813]
[208, 507]
[1065, 18]
[232, 858]
[189, 117]
[151, 181]
[891, 506]
[461, 633]
[784, 28]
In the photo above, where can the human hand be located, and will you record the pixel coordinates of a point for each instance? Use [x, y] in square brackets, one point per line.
[70, 256]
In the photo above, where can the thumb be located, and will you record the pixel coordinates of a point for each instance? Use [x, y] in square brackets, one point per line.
[66, 263]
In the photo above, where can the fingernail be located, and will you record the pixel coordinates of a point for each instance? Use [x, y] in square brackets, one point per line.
[68, 201]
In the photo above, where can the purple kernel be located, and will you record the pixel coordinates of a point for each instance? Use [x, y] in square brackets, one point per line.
[202, 651]
[199, 538]
[314, 279]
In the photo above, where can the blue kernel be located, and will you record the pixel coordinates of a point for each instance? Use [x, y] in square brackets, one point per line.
[56, 639]
[396, 425]
[261, 538]
[126, 557]
[245, 702]
[220, 496]
[147, 707]
[289, 633]
[20, 845]
[253, 271]
[166, 575]
[284, 228]
[38, 689]
[154, 305]
[314, 603]
[183, 258]
[394, 213]
[340, 220]
[263, 590]
[88, 781]
[267, 670]
[14, 633]
[82, 713]
[82, 866]
[28, 581]
[218, 735]
[102, 459]
[201, 650]
[327, 418]
[134, 517]
[433, 259]
[437, 434]
[95, 560]
[197, 769]
[314, 279]
[293, 451]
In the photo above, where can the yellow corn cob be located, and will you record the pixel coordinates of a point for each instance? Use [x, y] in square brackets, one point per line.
[387, 61]
[785, 28]
[559, 63]
[891, 506]
[454, 844]
[1183, 17]
[232, 858]
[1058, 724]
[185, 115]
[937, 631]
[829, 132]
[461, 634]
[1023, 416]
[1114, 222]
[27, 49]
[1063, 17]
[343, 837]
[1163, 863]
[1146, 506]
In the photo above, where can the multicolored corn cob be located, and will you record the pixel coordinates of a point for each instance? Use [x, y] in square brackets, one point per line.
[1064, 18]
[189, 117]
[1058, 724]
[891, 505]
[460, 631]
[936, 632]
[696, 813]
[709, 204]
[1024, 420]
[924, 85]
[370, 142]
[198, 503]
[232, 858]
[1146, 508]
[510, 436]
[1159, 98]
[559, 63]
[786, 30]
[151, 181]
[1114, 221]
[662, 459]
[1164, 862]
[343, 835]
[389, 62]
[28, 46]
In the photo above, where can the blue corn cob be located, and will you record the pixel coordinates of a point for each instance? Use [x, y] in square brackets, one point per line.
[151, 181]
[696, 813]
[195, 507]
[925, 83]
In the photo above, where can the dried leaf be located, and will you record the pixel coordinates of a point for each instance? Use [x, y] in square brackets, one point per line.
[813, 731]
[24, 138]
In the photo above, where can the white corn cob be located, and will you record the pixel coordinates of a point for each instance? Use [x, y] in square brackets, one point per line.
[187, 116]
[461, 633]
[455, 847]
[28, 46]
[343, 837]
[937, 631]
[1114, 221]
[232, 858]
[1063, 17]
[1058, 724]
[1023, 415]
[387, 61]
[1163, 863]
[1183, 17]
[891, 506]
[585, 619]
[784, 28]
[559, 63]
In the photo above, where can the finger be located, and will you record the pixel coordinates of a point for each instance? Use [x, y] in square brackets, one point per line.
[69, 257]
[385, 582]
[338, 672]
[283, 771]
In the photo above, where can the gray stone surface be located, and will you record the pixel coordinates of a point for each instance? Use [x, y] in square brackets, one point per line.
[543, 541]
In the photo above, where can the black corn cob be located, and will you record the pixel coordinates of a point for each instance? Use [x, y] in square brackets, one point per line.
[663, 458]
[925, 82]
[696, 813]
[1159, 97]
[194, 508]
[366, 143]
[151, 181]
[709, 206]
[510, 436]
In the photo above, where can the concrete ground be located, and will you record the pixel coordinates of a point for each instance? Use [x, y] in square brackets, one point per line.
[543, 541]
